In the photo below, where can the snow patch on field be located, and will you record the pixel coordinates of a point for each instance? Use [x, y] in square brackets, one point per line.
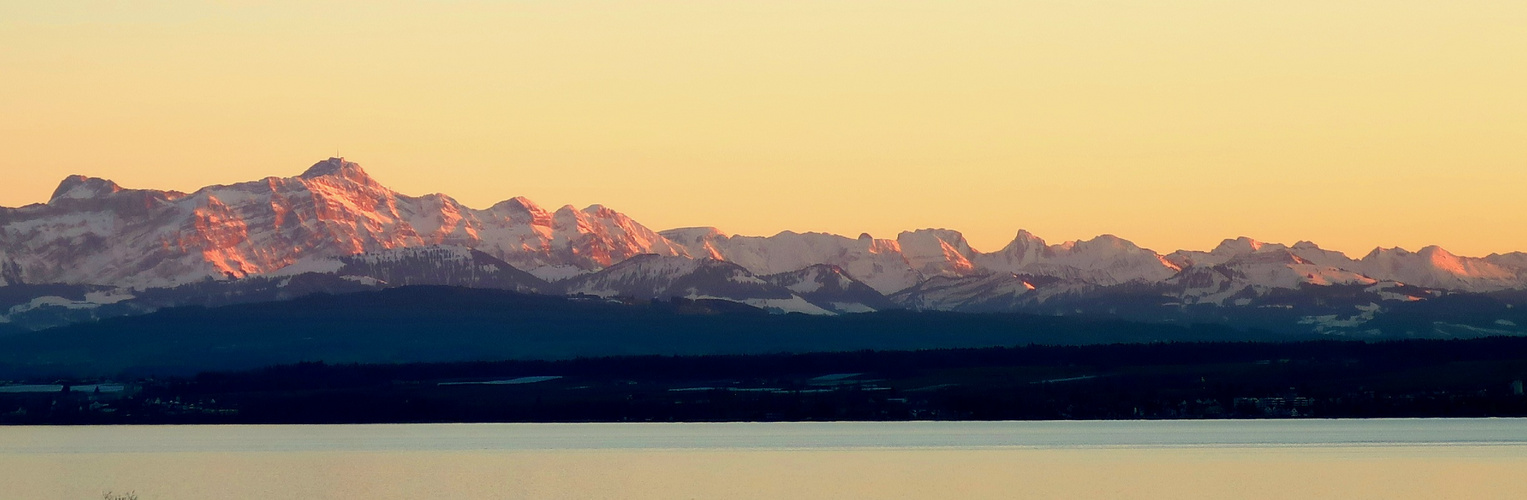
[790, 305]
[852, 307]
[364, 280]
[108, 297]
[1327, 322]
[92, 300]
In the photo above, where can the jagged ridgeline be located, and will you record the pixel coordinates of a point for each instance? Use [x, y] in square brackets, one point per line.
[97, 250]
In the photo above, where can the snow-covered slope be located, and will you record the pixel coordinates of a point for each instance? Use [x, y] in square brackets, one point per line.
[1313, 254]
[1513, 260]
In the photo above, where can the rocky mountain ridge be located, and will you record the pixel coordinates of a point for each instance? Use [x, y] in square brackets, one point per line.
[334, 219]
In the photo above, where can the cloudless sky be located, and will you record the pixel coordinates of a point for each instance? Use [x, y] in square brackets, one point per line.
[1172, 123]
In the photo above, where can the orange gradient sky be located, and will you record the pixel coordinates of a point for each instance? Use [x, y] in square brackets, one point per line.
[1174, 124]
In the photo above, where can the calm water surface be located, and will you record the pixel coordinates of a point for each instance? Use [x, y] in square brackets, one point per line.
[1441, 458]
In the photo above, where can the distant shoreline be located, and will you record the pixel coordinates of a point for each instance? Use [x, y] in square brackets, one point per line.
[1162, 381]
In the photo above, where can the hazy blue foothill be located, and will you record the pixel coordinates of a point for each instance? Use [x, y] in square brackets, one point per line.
[1178, 380]
[434, 324]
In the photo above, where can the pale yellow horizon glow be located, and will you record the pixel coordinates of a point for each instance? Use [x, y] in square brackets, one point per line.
[1174, 124]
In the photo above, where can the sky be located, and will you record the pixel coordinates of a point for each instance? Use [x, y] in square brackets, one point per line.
[1174, 124]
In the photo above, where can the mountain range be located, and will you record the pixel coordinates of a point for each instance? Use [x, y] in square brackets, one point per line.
[96, 250]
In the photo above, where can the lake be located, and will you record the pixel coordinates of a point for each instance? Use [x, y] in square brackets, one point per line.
[1347, 459]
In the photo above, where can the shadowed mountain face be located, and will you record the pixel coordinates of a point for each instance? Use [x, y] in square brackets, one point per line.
[816, 290]
[833, 289]
[658, 277]
[443, 266]
[98, 250]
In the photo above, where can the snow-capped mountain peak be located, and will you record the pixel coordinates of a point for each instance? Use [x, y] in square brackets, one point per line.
[697, 242]
[82, 187]
[936, 252]
[1238, 246]
[336, 167]
[1436, 267]
[878, 263]
[1311, 252]
[1025, 249]
[1106, 260]
[688, 236]
[1224, 252]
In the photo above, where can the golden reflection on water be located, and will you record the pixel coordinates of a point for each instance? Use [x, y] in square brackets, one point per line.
[1379, 472]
